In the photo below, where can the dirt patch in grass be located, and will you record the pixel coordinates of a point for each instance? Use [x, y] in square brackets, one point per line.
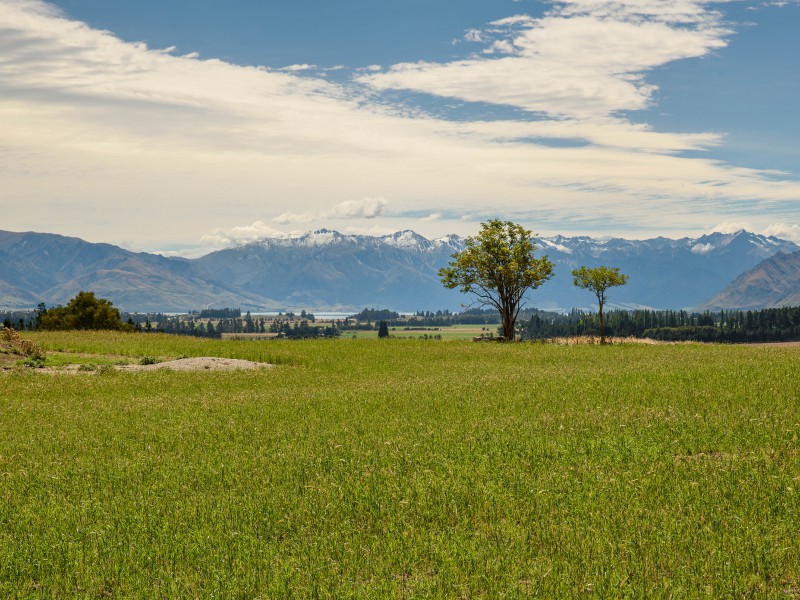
[200, 363]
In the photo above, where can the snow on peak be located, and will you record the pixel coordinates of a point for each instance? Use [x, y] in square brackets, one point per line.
[555, 244]
[702, 248]
[405, 239]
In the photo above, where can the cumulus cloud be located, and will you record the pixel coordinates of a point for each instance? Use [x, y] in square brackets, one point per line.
[367, 208]
[732, 227]
[784, 231]
[474, 35]
[222, 237]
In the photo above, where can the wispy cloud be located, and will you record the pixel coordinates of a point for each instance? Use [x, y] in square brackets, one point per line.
[131, 138]
[289, 218]
[584, 59]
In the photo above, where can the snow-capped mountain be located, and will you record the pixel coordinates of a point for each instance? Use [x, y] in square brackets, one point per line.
[326, 269]
[330, 269]
[663, 272]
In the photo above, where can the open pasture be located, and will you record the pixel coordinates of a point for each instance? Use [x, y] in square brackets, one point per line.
[452, 332]
[403, 468]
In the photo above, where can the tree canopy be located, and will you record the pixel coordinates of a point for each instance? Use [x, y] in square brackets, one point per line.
[598, 280]
[499, 267]
[84, 311]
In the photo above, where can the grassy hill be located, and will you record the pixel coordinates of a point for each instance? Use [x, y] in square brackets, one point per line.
[403, 468]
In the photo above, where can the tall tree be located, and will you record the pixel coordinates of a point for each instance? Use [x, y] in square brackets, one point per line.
[598, 280]
[499, 267]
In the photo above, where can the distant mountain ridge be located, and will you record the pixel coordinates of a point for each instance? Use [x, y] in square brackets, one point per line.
[328, 270]
[774, 282]
[50, 268]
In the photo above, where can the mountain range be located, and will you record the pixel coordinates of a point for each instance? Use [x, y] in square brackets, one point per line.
[328, 270]
[774, 282]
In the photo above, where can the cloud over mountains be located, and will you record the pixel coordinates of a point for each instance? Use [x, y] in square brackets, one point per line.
[107, 137]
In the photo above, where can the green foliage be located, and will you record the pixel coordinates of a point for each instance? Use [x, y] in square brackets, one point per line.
[767, 325]
[694, 333]
[383, 330]
[220, 313]
[599, 280]
[374, 314]
[148, 360]
[498, 266]
[84, 311]
[34, 362]
[404, 470]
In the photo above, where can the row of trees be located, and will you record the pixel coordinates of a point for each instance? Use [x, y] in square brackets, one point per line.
[199, 327]
[498, 266]
[767, 325]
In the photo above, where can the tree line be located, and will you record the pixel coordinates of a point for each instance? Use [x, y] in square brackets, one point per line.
[728, 326]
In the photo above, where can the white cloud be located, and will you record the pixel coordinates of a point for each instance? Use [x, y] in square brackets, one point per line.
[222, 237]
[784, 231]
[298, 68]
[287, 218]
[474, 35]
[367, 208]
[134, 139]
[585, 59]
[732, 227]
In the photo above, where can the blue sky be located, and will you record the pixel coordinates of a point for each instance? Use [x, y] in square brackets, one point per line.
[187, 126]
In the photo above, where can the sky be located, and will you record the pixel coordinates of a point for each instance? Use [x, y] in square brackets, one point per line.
[184, 127]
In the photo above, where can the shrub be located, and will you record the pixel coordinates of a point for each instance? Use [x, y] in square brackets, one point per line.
[16, 345]
[84, 311]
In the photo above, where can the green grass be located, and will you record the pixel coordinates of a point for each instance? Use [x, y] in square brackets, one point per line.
[404, 468]
[453, 332]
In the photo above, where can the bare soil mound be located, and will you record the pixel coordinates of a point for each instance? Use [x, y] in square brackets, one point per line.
[200, 363]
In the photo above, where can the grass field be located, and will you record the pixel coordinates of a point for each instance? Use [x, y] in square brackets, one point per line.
[453, 332]
[403, 468]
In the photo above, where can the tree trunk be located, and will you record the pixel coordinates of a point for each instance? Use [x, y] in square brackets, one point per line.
[602, 327]
[508, 326]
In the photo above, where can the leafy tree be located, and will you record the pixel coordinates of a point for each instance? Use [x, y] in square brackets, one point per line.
[499, 267]
[383, 330]
[598, 280]
[84, 311]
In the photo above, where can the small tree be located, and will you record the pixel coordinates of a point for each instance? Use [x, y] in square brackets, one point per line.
[598, 280]
[383, 330]
[84, 311]
[499, 267]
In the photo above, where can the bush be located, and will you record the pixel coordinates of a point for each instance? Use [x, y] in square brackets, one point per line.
[16, 345]
[84, 311]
